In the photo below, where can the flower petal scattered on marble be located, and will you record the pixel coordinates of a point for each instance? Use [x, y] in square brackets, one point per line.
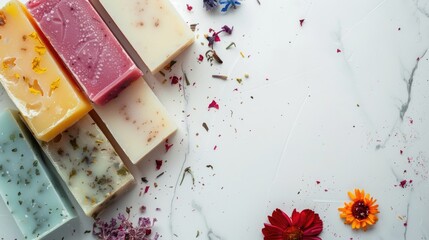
[229, 4]
[210, 4]
[361, 211]
[120, 228]
[214, 104]
[305, 225]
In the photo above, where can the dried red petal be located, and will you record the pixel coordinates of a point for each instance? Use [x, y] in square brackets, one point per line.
[214, 104]
[189, 7]
[167, 146]
[158, 164]
[338, 50]
[200, 58]
[146, 189]
[174, 80]
[301, 22]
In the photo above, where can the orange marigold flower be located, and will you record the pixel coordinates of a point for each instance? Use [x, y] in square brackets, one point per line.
[361, 212]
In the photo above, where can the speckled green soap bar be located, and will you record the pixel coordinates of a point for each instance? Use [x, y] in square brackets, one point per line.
[88, 165]
[25, 185]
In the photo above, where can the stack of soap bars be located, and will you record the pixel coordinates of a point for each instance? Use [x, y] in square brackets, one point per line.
[58, 61]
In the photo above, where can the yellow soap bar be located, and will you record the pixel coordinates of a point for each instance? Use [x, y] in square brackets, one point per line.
[39, 86]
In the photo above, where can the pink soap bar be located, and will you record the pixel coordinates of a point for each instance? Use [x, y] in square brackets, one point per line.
[84, 42]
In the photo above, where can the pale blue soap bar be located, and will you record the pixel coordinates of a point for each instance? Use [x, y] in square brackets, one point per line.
[35, 202]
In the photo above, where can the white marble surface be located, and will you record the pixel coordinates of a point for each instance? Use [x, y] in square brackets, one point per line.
[306, 113]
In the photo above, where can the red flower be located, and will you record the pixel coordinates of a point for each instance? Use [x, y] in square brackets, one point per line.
[306, 225]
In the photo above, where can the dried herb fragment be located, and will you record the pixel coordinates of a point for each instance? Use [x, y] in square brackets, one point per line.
[205, 126]
[230, 45]
[186, 78]
[123, 171]
[193, 26]
[170, 65]
[189, 171]
[73, 143]
[212, 55]
[160, 175]
[144, 179]
[72, 173]
[223, 77]
[210, 166]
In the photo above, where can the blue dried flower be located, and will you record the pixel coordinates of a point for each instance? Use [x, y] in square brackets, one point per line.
[210, 4]
[228, 4]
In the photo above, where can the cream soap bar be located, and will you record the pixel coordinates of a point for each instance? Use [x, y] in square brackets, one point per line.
[88, 165]
[45, 95]
[35, 202]
[86, 45]
[137, 120]
[153, 27]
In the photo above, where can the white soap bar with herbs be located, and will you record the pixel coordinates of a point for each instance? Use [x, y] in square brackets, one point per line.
[137, 120]
[153, 27]
[35, 199]
[88, 165]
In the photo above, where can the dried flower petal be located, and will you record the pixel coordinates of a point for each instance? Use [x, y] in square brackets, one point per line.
[158, 164]
[36, 66]
[210, 4]
[167, 146]
[214, 104]
[120, 228]
[227, 29]
[229, 4]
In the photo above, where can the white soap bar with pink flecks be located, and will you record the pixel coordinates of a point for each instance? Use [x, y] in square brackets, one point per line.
[137, 120]
[153, 27]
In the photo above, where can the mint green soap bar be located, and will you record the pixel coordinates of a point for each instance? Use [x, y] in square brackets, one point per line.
[35, 202]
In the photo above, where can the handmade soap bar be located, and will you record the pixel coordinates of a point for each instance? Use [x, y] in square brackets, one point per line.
[137, 120]
[35, 202]
[88, 165]
[153, 27]
[46, 96]
[86, 45]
